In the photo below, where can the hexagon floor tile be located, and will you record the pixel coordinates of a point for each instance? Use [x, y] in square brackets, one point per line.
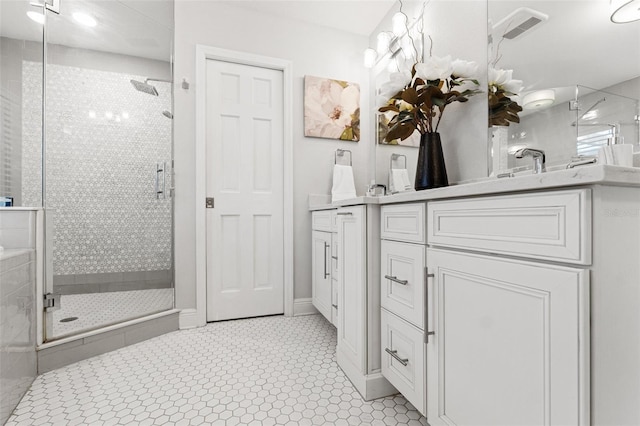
[259, 371]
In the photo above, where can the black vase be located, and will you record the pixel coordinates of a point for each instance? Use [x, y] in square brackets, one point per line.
[431, 171]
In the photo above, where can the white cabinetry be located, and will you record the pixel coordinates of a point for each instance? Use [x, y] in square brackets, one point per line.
[322, 284]
[403, 300]
[321, 290]
[510, 344]
[358, 299]
[511, 337]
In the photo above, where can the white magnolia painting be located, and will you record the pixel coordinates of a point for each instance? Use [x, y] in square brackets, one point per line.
[331, 109]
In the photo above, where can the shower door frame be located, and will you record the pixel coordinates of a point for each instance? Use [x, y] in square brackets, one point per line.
[44, 328]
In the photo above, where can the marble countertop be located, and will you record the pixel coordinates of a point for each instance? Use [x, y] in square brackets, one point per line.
[589, 175]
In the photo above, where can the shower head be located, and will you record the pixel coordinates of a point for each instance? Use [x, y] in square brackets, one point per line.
[144, 87]
[167, 114]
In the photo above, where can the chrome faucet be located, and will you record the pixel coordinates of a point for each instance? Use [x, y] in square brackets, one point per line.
[536, 154]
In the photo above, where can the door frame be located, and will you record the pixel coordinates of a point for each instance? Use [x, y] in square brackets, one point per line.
[204, 53]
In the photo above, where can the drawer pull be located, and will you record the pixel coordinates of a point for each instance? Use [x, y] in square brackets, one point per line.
[344, 214]
[334, 257]
[394, 354]
[427, 333]
[335, 306]
[326, 273]
[396, 280]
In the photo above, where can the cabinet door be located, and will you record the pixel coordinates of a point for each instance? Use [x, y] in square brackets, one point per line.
[511, 342]
[321, 272]
[352, 325]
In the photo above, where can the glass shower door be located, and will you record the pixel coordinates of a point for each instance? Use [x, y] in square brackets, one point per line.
[108, 156]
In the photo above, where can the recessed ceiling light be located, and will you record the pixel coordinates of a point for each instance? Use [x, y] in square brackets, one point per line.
[36, 16]
[84, 19]
[625, 11]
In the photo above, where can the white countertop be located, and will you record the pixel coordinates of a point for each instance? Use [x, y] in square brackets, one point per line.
[586, 175]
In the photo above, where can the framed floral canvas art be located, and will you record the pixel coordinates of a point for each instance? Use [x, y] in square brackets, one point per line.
[331, 109]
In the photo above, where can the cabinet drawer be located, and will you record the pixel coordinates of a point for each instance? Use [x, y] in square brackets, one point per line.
[403, 222]
[403, 284]
[546, 225]
[321, 220]
[403, 359]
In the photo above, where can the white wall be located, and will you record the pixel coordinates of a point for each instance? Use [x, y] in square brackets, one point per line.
[313, 50]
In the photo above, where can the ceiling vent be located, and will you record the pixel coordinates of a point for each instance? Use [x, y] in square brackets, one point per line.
[518, 22]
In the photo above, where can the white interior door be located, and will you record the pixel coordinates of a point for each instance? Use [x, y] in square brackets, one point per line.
[245, 230]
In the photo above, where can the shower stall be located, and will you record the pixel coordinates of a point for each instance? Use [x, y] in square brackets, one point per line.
[87, 136]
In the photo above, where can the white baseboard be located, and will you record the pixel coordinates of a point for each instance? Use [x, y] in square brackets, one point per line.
[188, 319]
[370, 386]
[303, 306]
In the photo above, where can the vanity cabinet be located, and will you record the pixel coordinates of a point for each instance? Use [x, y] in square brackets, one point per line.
[321, 282]
[509, 316]
[485, 307]
[403, 300]
[510, 342]
[358, 299]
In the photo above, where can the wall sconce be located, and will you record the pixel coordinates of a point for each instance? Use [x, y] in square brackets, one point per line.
[539, 99]
[390, 43]
[624, 11]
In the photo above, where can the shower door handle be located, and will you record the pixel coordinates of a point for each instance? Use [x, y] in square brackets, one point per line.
[161, 173]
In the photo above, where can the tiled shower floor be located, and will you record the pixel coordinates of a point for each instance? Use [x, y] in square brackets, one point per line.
[261, 371]
[100, 309]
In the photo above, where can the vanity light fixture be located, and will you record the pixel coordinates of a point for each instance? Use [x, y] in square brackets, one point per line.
[539, 99]
[84, 19]
[624, 11]
[36, 16]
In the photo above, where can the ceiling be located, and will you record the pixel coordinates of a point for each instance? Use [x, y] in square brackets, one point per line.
[578, 44]
[143, 27]
[358, 17]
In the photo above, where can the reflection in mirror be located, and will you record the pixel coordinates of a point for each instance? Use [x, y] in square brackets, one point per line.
[560, 49]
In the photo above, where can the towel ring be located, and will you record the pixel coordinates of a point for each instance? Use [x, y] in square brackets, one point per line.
[340, 153]
[396, 157]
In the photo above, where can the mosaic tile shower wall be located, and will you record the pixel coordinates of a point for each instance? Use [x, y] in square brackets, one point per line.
[104, 139]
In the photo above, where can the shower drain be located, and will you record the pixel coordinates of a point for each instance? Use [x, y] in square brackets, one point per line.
[69, 319]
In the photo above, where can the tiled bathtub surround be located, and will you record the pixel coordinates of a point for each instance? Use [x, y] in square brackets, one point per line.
[17, 326]
[104, 139]
[17, 228]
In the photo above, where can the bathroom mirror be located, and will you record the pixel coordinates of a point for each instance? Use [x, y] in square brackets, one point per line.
[580, 76]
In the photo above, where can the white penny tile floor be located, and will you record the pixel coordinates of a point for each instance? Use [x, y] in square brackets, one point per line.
[261, 371]
[94, 310]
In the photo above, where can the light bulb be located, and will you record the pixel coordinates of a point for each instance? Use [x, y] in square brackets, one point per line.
[384, 38]
[370, 56]
[399, 22]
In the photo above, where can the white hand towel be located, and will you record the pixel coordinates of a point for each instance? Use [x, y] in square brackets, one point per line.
[400, 180]
[343, 185]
